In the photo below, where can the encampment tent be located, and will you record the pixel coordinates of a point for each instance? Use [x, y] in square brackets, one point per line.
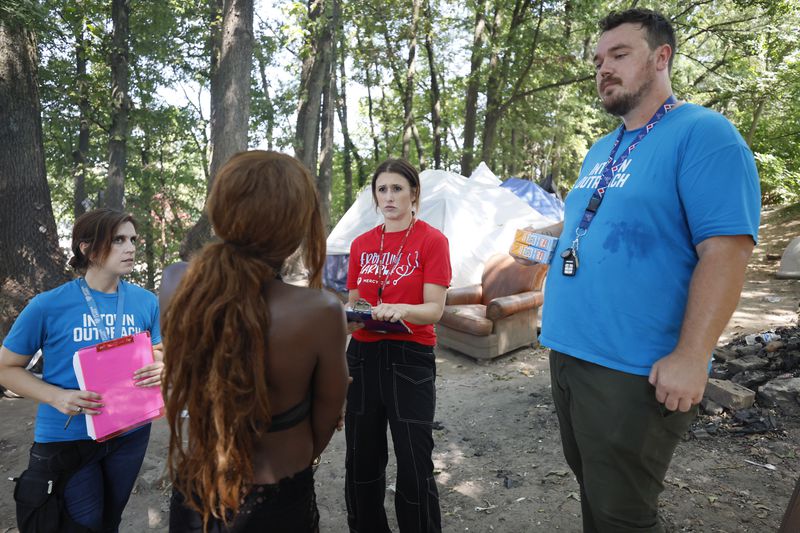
[542, 201]
[478, 219]
[483, 174]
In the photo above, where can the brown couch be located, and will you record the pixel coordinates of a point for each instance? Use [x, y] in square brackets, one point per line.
[497, 316]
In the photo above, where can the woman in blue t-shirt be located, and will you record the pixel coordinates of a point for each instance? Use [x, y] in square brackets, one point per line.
[92, 480]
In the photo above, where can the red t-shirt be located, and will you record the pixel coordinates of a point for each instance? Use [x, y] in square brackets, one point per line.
[425, 259]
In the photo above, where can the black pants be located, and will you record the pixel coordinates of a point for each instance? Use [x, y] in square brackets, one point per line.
[289, 506]
[96, 478]
[618, 440]
[394, 383]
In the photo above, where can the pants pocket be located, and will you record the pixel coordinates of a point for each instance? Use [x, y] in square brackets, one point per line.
[414, 392]
[355, 392]
[38, 508]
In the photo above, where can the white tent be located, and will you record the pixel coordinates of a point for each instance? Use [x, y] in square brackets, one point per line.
[479, 220]
[483, 174]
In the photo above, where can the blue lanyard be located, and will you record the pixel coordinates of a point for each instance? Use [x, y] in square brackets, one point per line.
[612, 166]
[101, 330]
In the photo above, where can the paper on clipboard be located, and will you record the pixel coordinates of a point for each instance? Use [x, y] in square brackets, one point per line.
[107, 368]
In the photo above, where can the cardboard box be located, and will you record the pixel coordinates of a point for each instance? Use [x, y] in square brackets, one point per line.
[537, 240]
[531, 253]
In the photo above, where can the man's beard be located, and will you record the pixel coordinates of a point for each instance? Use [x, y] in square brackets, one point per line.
[624, 103]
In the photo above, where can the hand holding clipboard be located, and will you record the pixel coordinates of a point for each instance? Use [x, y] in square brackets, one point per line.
[108, 369]
[362, 312]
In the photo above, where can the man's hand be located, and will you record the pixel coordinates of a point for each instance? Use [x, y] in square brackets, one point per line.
[680, 380]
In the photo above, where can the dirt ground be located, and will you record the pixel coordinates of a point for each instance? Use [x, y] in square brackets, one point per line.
[498, 457]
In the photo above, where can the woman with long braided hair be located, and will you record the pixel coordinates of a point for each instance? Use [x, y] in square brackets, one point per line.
[258, 364]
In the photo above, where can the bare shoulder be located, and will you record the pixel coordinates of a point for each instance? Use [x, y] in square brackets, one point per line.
[319, 301]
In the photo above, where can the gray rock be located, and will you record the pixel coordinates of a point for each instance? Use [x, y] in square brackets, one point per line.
[725, 353]
[152, 479]
[710, 407]
[748, 362]
[749, 350]
[751, 378]
[729, 395]
[783, 393]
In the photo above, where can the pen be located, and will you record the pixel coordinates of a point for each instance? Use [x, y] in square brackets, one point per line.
[68, 421]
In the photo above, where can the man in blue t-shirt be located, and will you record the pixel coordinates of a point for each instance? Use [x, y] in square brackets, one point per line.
[658, 230]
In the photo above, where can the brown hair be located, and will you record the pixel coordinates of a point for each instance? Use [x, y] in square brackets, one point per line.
[657, 28]
[405, 169]
[97, 228]
[263, 206]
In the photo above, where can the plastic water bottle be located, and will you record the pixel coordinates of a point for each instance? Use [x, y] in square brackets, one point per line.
[763, 338]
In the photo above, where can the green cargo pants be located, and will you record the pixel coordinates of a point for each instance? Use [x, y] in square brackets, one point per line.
[617, 439]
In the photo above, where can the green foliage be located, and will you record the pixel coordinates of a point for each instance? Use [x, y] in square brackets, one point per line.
[739, 57]
[26, 13]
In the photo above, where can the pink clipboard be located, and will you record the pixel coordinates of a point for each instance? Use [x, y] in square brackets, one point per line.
[107, 369]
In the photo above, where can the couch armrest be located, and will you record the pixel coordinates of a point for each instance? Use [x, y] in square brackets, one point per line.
[471, 294]
[504, 306]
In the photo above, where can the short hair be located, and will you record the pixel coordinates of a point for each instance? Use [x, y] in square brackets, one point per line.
[97, 228]
[657, 28]
[405, 169]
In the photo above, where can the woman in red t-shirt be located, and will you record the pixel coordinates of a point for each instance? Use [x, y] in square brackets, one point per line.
[402, 269]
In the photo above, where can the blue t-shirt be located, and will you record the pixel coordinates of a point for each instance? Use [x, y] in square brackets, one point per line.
[59, 323]
[692, 177]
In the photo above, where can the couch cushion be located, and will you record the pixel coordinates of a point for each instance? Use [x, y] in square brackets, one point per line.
[502, 276]
[467, 318]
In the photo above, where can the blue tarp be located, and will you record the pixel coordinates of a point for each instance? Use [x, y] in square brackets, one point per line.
[542, 201]
[334, 275]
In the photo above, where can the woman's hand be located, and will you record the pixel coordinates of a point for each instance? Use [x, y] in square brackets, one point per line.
[149, 376]
[76, 402]
[390, 312]
[340, 422]
[354, 326]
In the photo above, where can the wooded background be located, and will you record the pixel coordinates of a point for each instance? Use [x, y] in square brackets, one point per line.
[135, 104]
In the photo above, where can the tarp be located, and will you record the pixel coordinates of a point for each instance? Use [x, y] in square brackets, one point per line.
[478, 219]
[483, 174]
[542, 201]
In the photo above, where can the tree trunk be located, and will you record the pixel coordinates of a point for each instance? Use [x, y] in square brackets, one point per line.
[500, 69]
[492, 115]
[436, 105]
[147, 232]
[754, 124]
[32, 261]
[312, 82]
[511, 158]
[120, 105]
[376, 150]
[325, 176]
[418, 144]
[473, 86]
[341, 106]
[262, 68]
[231, 65]
[79, 155]
[408, 88]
